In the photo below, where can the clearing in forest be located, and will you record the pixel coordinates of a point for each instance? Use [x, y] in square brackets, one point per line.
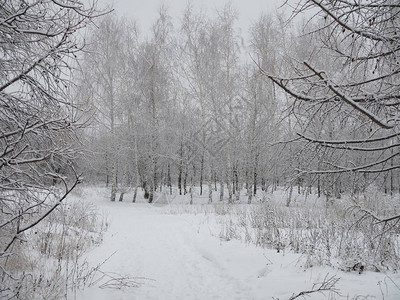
[175, 252]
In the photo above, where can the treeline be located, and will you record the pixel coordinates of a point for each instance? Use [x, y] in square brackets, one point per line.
[191, 105]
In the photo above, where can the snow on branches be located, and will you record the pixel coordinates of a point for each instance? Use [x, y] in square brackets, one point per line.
[346, 88]
[38, 50]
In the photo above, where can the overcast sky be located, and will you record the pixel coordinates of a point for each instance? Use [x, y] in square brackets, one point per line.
[145, 11]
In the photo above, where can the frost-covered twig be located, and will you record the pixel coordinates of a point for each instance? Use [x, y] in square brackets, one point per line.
[112, 280]
[375, 217]
[327, 285]
[117, 281]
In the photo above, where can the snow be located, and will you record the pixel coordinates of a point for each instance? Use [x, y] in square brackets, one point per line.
[180, 256]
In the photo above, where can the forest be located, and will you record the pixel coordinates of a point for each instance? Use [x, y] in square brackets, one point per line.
[198, 105]
[304, 104]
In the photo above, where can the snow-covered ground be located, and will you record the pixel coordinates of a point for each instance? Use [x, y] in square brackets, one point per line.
[180, 256]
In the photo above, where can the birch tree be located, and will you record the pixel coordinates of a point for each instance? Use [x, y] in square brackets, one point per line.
[229, 51]
[131, 103]
[266, 47]
[196, 54]
[103, 72]
[156, 71]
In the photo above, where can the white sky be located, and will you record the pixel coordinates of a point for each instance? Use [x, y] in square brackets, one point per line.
[145, 12]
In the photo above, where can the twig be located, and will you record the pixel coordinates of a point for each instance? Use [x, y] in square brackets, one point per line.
[327, 285]
[118, 281]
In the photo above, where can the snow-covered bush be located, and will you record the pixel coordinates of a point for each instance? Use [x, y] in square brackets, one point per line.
[341, 234]
[48, 263]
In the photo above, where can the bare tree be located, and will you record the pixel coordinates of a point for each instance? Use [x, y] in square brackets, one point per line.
[266, 46]
[195, 64]
[358, 91]
[228, 104]
[104, 77]
[37, 116]
[156, 70]
[365, 45]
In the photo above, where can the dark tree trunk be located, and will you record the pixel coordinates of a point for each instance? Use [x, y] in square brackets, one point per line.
[255, 183]
[121, 197]
[180, 171]
[215, 181]
[201, 174]
[319, 187]
[135, 195]
[391, 176]
[169, 179]
[221, 192]
[146, 191]
[107, 171]
[180, 180]
[185, 181]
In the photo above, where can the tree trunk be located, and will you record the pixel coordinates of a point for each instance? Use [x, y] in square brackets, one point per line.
[114, 178]
[264, 186]
[169, 179]
[255, 183]
[113, 192]
[180, 171]
[185, 180]
[209, 182]
[153, 181]
[191, 191]
[221, 192]
[319, 186]
[289, 198]
[113, 147]
[201, 174]
[215, 181]
[228, 186]
[391, 176]
[146, 190]
[136, 168]
[135, 194]
[107, 170]
[249, 198]
[121, 197]
[237, 195]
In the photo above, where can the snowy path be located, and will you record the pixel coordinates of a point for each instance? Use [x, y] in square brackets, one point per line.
[182, 257]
